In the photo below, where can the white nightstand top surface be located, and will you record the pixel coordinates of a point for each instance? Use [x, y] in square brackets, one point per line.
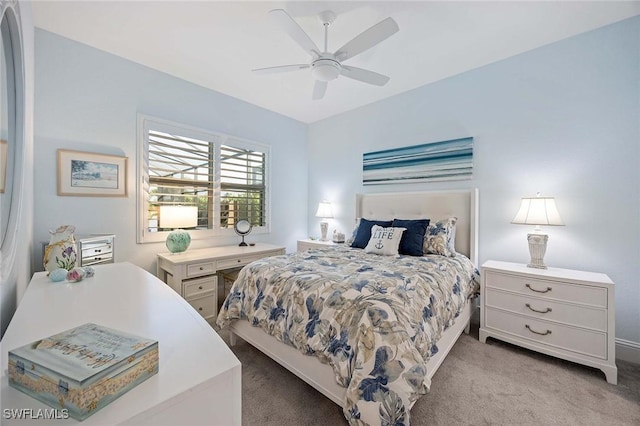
[556, 273]
[319, 241]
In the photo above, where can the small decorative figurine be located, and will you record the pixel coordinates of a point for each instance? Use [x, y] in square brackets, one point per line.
[58, 275]
[89, 271]
[61, 251]
[75, 275]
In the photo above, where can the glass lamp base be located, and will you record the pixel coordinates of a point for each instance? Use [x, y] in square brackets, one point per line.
[178, 241]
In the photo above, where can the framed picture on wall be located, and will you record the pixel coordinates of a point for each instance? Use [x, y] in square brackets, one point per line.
[87, 174]
[4, 149]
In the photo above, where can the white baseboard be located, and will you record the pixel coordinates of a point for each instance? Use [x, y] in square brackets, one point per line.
[629, 351]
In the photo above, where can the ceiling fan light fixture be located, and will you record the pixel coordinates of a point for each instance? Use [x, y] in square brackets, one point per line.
[325, 70]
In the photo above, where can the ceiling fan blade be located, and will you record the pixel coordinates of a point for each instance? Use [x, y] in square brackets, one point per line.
[319, 89]
[367, 39]
[292, 28]
[365, 76]
[280, 68]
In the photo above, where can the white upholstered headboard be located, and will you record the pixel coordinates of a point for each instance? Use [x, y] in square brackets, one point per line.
[433, 205]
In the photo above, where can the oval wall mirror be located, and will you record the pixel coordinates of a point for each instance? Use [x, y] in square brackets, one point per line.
[11, 129]
[242, 228]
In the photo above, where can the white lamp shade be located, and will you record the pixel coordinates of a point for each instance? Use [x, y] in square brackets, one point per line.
[538, 211]
[324, 210]
[174, 217]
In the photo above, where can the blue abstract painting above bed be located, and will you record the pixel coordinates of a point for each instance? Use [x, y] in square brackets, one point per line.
[429, 162]
[375, 319]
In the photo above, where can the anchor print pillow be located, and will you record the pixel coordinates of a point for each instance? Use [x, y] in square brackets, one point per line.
[384, 241]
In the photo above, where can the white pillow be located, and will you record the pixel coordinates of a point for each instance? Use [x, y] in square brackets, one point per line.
[384, 241]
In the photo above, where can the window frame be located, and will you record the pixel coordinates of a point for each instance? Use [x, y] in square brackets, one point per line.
[146, 123]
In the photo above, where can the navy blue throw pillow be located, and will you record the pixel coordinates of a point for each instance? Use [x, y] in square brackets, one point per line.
[364, 231]
[413, 238]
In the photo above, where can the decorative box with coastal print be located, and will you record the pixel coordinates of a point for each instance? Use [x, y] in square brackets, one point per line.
[82, 369]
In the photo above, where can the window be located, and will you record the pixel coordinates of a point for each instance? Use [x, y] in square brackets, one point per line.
[224, 177]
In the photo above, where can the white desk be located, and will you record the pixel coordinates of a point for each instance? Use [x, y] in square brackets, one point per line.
[199, 377]
[193, 273]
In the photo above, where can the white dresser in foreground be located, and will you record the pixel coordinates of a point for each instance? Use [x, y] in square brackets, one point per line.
[564, 313]
[199, 378]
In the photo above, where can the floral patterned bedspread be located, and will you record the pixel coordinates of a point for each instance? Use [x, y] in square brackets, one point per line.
[375, 319]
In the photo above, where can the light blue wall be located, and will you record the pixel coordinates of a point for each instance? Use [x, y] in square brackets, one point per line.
[562, 119]
[88, 100]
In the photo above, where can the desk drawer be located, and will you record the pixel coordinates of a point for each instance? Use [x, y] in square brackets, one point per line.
[205, 305]
[579, 340]
[551, 289]
[198, 286]
[199, 269]
[238, 261]
[234, 262]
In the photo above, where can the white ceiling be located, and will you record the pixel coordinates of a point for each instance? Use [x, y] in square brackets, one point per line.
[216, 44]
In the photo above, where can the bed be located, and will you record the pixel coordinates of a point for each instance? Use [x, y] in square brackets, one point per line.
[378, 326]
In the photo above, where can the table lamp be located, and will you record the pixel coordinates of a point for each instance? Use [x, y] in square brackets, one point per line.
[324, 212]
[538, 211]
[176, 218]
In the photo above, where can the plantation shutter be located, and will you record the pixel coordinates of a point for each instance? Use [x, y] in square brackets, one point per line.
[181, 172]
[242, 185]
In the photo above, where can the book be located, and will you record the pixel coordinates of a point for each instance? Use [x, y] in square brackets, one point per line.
[83, 369]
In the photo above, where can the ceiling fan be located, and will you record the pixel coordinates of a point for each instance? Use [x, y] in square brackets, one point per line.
[326, 66]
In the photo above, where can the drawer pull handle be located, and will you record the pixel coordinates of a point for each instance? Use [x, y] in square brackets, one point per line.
[200, 288]
[98, 251]
[548, 289]
[200, 308]
[537, 332]
[535, 310]
[202, 268]
[239, 260]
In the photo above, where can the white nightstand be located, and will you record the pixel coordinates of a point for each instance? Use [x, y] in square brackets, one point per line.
[560, 312]
[309, 244]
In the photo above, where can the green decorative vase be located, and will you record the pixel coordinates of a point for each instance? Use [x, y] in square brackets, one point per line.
[178, 241]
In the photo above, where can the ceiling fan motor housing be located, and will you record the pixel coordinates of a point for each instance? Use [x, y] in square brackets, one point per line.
[325, 69]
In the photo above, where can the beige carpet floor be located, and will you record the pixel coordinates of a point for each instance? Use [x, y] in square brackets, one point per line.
[478, 384]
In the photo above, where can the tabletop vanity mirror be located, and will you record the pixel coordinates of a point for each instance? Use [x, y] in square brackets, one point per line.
[242, 228]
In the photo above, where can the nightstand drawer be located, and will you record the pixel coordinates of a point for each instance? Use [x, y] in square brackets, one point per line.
[198, 269]
[578, 315]
[581, 341]
[198, 286]
[588, 295]
[206, 305]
